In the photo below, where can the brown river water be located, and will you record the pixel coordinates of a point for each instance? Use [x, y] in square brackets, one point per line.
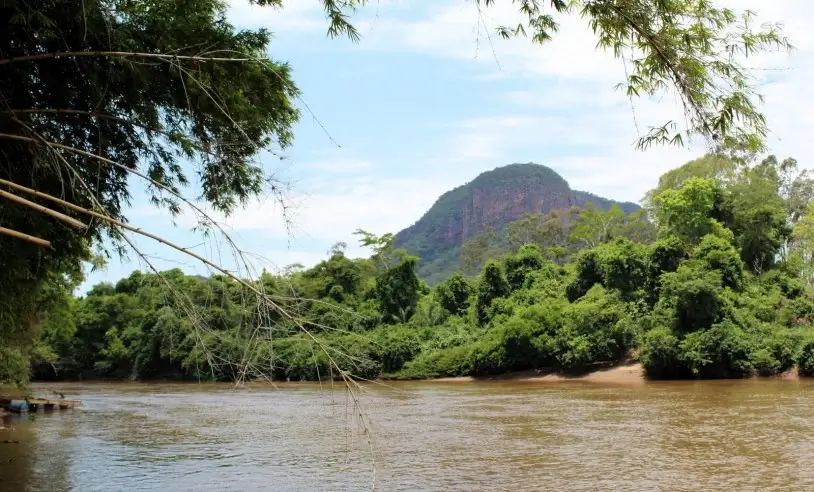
[512, 436]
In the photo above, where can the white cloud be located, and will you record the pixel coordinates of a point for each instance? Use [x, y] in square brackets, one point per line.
[569, 74]
[338, 206]
[276, 260]
[567, 97]
[339, 166]
[298, 15]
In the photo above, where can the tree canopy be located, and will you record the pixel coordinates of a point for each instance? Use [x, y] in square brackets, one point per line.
[98, 91]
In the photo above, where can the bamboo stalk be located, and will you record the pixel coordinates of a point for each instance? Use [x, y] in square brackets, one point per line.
[123, 54]
[121, 224]
[26, 237]
[47, 211]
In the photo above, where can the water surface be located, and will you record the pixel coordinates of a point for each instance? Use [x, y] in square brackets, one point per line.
[727, 435]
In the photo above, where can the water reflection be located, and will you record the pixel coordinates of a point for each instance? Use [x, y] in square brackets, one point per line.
[741, 435]
[34, 461]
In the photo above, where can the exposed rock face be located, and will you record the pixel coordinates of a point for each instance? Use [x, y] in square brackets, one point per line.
[495, 207]
[493, 199]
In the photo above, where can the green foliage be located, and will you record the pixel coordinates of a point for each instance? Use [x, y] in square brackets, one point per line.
[397, 290]
[492, 285]
[453, 294]
[687, 212]
[477, 250]
[594, 226]
[686, 305]
[694, 297]
[715, 167]
[624, 267]
[520, 267]
[806, 360]
[98, 90]
[665, 256]
[382, 246]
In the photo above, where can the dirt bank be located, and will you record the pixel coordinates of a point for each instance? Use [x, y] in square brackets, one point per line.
[791, 374]
[625, 373]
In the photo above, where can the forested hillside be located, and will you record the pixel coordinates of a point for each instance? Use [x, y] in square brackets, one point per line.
[719, 284]
[490, 201]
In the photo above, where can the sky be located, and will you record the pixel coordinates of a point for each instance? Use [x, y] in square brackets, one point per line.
[428, 99]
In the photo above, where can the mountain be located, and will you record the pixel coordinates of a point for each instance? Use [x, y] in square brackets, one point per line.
[493, 199]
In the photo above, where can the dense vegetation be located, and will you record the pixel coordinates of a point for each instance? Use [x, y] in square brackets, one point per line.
[718, 285]
[98, 94]
[486, 205]
[98, 91]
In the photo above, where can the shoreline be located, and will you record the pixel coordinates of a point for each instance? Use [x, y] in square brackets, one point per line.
[626, 373]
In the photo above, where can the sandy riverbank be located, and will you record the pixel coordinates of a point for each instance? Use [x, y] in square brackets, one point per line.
[628, 373]
[625, 373]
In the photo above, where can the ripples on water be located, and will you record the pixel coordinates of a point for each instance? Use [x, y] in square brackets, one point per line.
[743, 435]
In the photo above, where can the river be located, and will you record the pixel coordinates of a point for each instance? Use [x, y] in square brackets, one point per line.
[517, 436]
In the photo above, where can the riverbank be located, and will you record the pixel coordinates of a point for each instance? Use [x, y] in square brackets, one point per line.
[626, 373]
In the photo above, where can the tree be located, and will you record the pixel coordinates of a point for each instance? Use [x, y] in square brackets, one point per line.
[760, 220]
[528, 229]
[338, 248]
[637, 228]
[688, 212]
[336, 278]
[795, 188]
[760, 201]
[453, 294]
[595, 226]
[520, 265]
[545, 230]
[382, 246]
[718, 254]
[398, 290]
[803, 235]
[623, 264]
[491, 285]
[98, 91]
[477, 250]
[716, 167]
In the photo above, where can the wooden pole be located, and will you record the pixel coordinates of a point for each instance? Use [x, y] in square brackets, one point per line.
[26, 237]
[47, 211]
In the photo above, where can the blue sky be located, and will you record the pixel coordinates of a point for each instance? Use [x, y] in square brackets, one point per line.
[426, 101]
